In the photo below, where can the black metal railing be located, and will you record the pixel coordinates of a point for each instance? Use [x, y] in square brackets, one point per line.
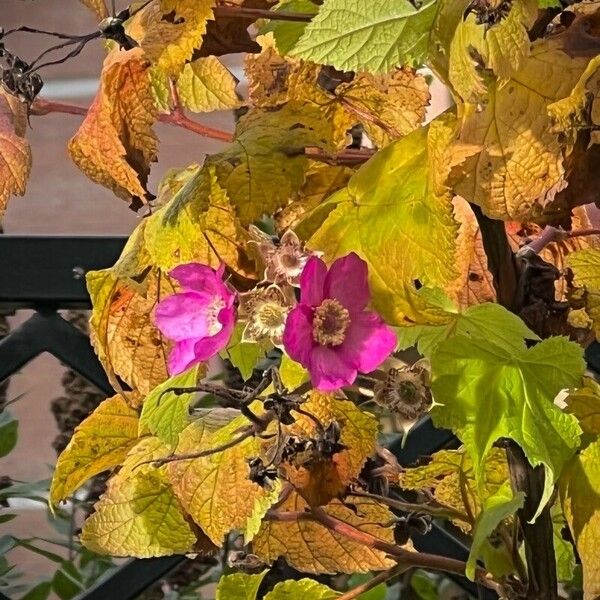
[46, 274]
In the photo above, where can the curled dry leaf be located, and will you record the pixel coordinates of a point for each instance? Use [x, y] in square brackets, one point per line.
[15, 153]
[116, 144]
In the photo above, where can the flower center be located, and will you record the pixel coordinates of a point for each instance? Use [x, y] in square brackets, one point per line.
[212, 316]
[330, 322]
[270, 316]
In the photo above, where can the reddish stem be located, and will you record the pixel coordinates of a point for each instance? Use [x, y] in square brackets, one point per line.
[44, 107]
[259, 13]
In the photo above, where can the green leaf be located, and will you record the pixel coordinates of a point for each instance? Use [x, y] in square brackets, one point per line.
[375, 36]
[9, 427]
[5, 518]
[486, 321]
[239, 586]
[379, 592]
[396, 213]
[424, 585]
[301, 590]
[243, 355]
[563, 549]
[484, 392]
[287, 33]
[66, 582]
[165, 414]
[496, 508]
[292, 374]
[39, 592]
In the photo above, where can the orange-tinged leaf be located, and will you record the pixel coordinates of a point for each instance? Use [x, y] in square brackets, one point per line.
[122, 330]
[312, 548]
[15, 153]
[98, 7]
[99, 443]
[474, 284]
[321, 480]
[216, 490]
[116, 144]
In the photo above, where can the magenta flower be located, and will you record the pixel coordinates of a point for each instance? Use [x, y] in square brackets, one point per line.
[329, 332]
[200, 319]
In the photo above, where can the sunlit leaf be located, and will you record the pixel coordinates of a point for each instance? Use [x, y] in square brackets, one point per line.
[115, 144]
[301, 589]
[339, 35]
[584, 403]
[99, 443]
[580, 493]
[216, 490]
[239, 586]
[486, 392]
[312, 548]
[288, 33]
[585, 265]
[15, 153]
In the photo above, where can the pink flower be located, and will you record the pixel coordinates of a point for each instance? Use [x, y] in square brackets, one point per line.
[200, 319]
[329, 332]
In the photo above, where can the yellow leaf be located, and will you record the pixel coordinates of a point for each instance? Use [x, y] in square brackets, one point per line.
[265, 166]
[585, 265]
[580, 496]
[138, 516]
[389, 106]
[199, 224]
[98, 7]
[474, 284]
[115, 144]
[15, 153]
[451, 478]
[122, 330]
[520, 167]
[312, 548]
[584, 403]
[216, 490]
[206, 85]
[170, 30]
[321, 480]
[503, 48]
[99, 443]
[396, 213]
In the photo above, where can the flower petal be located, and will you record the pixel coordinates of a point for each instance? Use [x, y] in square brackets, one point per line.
[297, 335]
[198, 277]
[183, 316]
[369, 341]
[209, 346]
[347, 281]
[312, 281]
[182, 357]
[328, 369]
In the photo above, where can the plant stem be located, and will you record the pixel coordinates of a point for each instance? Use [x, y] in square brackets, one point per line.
[369, 585]
[259, 13]
[42, 107]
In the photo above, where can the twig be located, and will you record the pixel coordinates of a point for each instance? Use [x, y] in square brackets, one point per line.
[549, 234]
[259, 13]
[436, 511]
[583, 232]
[372, 583]
[350, 157]
[202, 453]
[44, 107]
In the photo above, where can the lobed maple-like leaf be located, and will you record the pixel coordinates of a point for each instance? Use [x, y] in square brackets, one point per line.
[312, 548]
[585, 265]
[15, 152]
[115, 144]
[100, 442]
[584, 404]
[396, 213]
[580, 497]
[485, 391]
[287, 33]
[375, 36]
[216, 490]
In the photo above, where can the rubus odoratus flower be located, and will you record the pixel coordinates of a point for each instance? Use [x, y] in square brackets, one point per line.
[200, 319]
[330, 331]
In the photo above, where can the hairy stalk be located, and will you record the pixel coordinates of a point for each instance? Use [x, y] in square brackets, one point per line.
[44, 107]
